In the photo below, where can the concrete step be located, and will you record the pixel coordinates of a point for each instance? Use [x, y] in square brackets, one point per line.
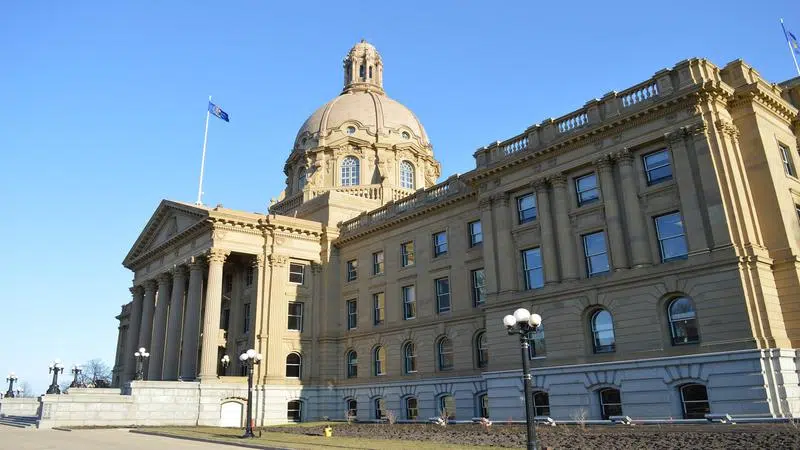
[19, 421]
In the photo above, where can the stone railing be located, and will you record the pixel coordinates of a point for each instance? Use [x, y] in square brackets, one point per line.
[287, 204]
[638, 94]
[572, 122]
[368, 191]
[398, 193]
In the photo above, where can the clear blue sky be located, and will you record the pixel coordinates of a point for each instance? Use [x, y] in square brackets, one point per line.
[104, 105]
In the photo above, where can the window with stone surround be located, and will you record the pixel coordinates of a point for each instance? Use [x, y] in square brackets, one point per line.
[407, 254]
[532, 268]
[350, 170]
[442, 295]
[296, 273]
[541, 403]
[409, 302]
[602, 326]
[526, 208]
[587, 190]
[294, 411]
[444, 353]
[352, 407]
[786, 159]
[352, 364]
[447, 406]
[694, 399]
[406, 175]
[595, 253]
[483, 405]
[478, 287]
[409, 358]
[475, 233]
[482, 350]
[246, 318]
[610, 402]
[379, 361]
[439, 244]
[656, 167]
[352, 314]
[294, 365]
[378, 308]
[671, 236]
[377, 263]
[412, 410]
[380, 408]
[295, 316]
[248, 281]
[683, 321]
[352, 270]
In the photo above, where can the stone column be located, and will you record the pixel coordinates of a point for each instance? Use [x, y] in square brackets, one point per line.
[616, 239]
[275, 358]
[549, 246]
[172, 347]
[489, 249]
[688, 189]
[132, 341]
[146, 327]
[566, 241]
[211, 318]
[504, 244]
[191, 325]
[637, 231]
[157, 341]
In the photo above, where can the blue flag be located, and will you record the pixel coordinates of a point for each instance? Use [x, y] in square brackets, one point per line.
[217, 111]
[793, 42]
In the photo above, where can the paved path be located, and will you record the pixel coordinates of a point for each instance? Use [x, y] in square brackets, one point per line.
[116, 439]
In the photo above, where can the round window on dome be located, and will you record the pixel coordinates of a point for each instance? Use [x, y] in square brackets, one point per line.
[405, 135]
[303, 142]
[351, 130]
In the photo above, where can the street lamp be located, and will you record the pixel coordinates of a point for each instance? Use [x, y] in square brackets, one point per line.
[141, 356]
[11, 379]
[249, 359]
[523, 323]
[226, 361]
[75, 372]
[55, 368]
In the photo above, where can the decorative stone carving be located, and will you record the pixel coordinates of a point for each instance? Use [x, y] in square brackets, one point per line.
[150, 286]
[316, 267]
[557, 180]
[501, 199]
[278, 260]
[727, 128]
[217, 255]
[258, 262]
[485, 204]
[539, 185]
[603, 163]
[623, 157]
[431, 174]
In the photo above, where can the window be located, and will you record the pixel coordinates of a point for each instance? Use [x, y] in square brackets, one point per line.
[475, 233]
[439, 243]
[444, 350]
[694, 398]
[447, 406]
[406, 174]
[411, 408]
[409, 303]
[295, 316]
[350, 168]
[482, 350]
[228, 283]
[294, 363]
[595, 253]
[296, 273]
[602, 331]
[377, 263]
[478, 287]
[294, 411]
[683, 321]
[351, 130]
[352, 314]
[352, 407]
[352, 364]
[536, 347]
[248, 280]
[586, 187]
[526, 208]
[786, 158]
[301, 178]
[483, 405]
[380, 408]
[226, 318]
[379, 308]
[671, 239]
[246, 320]
[797, 208]
[657, 168]
[352, 270]
[610, 403]
[362, 71]
[532, 266]
[409, 358]
[442, 295]
[379, 361]
[541, 403]
[407, 254]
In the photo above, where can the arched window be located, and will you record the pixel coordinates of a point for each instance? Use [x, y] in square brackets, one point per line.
[294, 411]
[301, 179]
[409, 358]
[379, 361]
[294, 363]
[682, 321]
[352, 364]
[444, 350]
[412, 411]
[380, 408]
[483, 405]
[352, 408]
[541, 403]
[602, 331]
[481, 350]
[406, 175]
[694, 398]
[447, 405]
[350, 171]
[610, 402]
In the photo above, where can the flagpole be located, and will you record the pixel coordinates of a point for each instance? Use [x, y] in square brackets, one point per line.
[791, 50]
[203, 159]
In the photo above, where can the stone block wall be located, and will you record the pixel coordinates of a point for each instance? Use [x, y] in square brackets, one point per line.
[11, 406]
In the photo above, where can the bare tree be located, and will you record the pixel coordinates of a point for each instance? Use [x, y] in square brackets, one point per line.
[27, 390]
[95, 373]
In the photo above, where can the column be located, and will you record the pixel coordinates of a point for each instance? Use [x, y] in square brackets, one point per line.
[275, 357]
[548, 242]
[191, 325]
[159, 329]
[616, 239]
[258, 306]
[504, 244]
[688, 189]
[146, 327]
[566, 241]
[637, 232]
[132, 341]
[489, 250]
[213, 303]
[172, 347]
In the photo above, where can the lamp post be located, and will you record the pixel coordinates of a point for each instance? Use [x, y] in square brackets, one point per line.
[226, 361]
[522, 323]
[55, 368]
[11, 379]
[249, 359]
[141, 355]
[75, 372]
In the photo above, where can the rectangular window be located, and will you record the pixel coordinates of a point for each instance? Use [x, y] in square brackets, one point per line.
[377, 263]
[296, 273]
[352, 314]
[475, 233]
[786, 158]
[671, 237]
[228, 283]
[532, 266]
[478, 287]
[442, 295]
[439, 243]
[526, 208]
[295, 316]
[586, 188]
[595, 253]
[379, 308]
[249, 277]
[409, 302]
[657, 168]
[352, 270]
[407, 254]
[246, 321]
[226, 318]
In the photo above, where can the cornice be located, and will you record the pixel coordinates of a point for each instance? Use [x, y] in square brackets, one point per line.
[756, 93]
[188, 234]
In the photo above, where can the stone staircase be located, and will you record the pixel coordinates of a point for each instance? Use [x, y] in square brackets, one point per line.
[25, 422]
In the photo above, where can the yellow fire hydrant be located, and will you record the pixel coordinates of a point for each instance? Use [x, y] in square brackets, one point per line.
[328, 431]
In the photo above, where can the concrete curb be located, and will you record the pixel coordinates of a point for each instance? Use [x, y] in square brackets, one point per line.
[208, 441]
[61, 429]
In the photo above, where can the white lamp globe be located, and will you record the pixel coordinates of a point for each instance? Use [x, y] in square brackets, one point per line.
[258, 357]
[146, 354]
[243, 357]
[141, 349]
[535, 320]
[509, 321]
[137, 354]
[522, 315]
[251, 353]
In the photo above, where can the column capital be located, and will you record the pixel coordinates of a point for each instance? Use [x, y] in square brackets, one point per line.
[217, 255]
[623, 157]
[485, 204]
[164, 278]
[258, 261]
[150, 286]
[136, 290]
[196, 263]
[316, 267]
[539, 185]
[557, 180]
[278, 260]
[501, 199]
[727, 128]
[603, 163]
[179, 271]
[674, 136]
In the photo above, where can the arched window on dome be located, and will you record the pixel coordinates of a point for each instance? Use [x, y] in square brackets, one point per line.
[350, 169]
[301, 179]
[406, 175]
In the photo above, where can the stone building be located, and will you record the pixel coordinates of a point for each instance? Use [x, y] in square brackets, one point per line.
[656, 230]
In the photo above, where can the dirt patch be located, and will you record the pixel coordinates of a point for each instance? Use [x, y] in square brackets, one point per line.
[750, 436]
